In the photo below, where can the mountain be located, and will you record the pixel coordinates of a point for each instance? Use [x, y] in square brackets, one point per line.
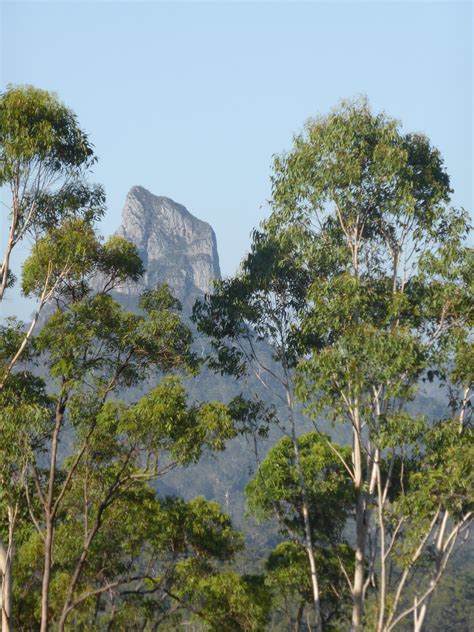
[176, 247]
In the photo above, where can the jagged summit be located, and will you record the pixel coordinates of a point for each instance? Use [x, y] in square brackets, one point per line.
[176, 247]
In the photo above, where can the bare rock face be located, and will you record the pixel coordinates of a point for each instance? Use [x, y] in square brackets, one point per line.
[176, 247]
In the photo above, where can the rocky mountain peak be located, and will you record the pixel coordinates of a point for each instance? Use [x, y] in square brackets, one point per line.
[176, 247]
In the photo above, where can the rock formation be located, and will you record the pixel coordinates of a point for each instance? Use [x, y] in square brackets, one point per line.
[176, 247]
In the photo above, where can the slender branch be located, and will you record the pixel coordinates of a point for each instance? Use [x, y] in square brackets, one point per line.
[447, 549]
[407, 570]
[105, 588]
[32, 515]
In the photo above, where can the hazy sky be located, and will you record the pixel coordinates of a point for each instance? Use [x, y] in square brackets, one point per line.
[192, 99]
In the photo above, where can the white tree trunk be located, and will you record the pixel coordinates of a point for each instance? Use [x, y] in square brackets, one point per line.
[6, 586]
[307, 526]
[361, 527]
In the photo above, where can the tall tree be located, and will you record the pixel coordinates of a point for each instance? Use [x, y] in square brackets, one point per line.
[98, 547]
[377, 299]
[77, 469]
[44, 156]
[92, 349]
[391, 305]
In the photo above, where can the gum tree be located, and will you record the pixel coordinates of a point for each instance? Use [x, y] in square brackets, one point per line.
[97, 545]
[44, 156]
[391, 305]
[92, 349]
[77, 467]
[361, 283]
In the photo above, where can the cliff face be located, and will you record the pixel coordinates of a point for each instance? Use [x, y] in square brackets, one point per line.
[176, 247]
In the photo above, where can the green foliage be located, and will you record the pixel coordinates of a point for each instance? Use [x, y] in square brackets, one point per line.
[24, 422]
[141, 342]
[173, 426]
[35, 125]
[200, 526]
[363, 163]
[70, 256]
[276, 489]
[169, 537]
[287, 571]
[363, 358]
[43, 158]
[443, 476]
[11, 337]
[119, 259]
[225, 600]
[68, 252]
[257, 305]
[288, 577]
[74, 199]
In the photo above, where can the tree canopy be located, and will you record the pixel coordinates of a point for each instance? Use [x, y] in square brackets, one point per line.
[356, 294]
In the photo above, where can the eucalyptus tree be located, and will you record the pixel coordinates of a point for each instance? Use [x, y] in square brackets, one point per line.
[92, 349]
[362, 284]
[156, 563]
[95, 545]
[390, 305]
[23, 409]
[44, 156]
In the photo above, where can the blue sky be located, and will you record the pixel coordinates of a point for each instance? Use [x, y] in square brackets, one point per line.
[192, 99]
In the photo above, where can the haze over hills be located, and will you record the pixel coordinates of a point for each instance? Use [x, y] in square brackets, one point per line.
[175, 246]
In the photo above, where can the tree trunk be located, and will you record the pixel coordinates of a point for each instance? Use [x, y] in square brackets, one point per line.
[299, 618]
[309, 547]
[308, 540]
[314, 584]
[359, 573]
[304, 497]
[361, 528]
[48, 545]
[382, 554]
[6, 587]
[418, 616]
[50, 514]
